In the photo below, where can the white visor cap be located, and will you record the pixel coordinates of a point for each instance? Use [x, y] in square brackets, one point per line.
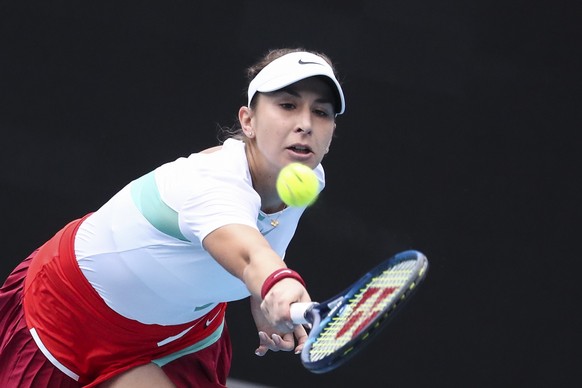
[291, 68]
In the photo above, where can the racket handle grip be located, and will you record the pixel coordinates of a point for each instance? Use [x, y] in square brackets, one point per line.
[299, 312]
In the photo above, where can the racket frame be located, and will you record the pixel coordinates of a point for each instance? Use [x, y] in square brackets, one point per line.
[318, 315]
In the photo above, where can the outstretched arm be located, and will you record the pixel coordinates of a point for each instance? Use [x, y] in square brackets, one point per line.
[246, 254]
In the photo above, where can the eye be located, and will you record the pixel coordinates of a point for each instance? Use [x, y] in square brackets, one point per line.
[287, 105]
[323, 112]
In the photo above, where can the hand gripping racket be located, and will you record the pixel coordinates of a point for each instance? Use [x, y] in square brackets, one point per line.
[341, 325]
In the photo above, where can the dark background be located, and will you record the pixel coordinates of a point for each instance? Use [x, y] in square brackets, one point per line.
[460, 140]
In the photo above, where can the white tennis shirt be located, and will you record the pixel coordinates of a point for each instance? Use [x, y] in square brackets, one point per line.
[142, 251]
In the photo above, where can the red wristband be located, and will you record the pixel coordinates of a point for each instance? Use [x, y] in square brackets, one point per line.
[278, 275]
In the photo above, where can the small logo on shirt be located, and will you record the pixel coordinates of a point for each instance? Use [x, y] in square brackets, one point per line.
[198, 308]
[209, 321]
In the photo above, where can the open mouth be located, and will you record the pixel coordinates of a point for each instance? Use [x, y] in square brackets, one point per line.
[300, 149]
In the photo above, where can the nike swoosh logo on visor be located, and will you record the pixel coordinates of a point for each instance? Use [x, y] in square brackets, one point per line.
[301, 62]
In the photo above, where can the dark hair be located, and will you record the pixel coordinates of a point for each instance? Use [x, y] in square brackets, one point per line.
[251, 72]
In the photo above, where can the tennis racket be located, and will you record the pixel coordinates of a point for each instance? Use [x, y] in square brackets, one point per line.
[341, 325]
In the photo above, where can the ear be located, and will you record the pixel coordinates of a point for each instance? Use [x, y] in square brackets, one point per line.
[245, 115]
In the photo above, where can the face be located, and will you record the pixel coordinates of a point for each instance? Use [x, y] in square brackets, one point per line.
[294, 124]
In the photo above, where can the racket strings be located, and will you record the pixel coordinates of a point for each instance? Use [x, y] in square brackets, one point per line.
[371, 301]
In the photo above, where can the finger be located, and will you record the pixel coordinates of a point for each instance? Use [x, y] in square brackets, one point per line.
[265, 344]
[261, 350]
[265, 340]
[286, 344]
[301, 336]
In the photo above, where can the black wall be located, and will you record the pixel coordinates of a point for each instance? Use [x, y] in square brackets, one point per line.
[459, 140]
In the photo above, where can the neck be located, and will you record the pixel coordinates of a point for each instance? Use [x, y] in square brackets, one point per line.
[264, 183]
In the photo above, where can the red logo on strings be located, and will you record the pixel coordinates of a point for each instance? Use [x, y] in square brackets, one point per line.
[363, 316]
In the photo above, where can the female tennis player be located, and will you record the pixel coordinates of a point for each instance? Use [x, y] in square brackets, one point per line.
[135, 293]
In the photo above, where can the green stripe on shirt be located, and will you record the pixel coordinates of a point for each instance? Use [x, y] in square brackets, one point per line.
[146, 196]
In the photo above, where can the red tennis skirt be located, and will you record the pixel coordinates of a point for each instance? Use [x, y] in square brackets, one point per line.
[22, 364]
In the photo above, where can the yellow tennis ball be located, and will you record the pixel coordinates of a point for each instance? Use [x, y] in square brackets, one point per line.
[297, 185]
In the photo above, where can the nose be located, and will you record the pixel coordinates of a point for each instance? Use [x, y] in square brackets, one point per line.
[304, 122]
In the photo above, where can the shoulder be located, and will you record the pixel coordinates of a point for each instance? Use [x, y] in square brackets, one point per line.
[214, 173]
[226, 160]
